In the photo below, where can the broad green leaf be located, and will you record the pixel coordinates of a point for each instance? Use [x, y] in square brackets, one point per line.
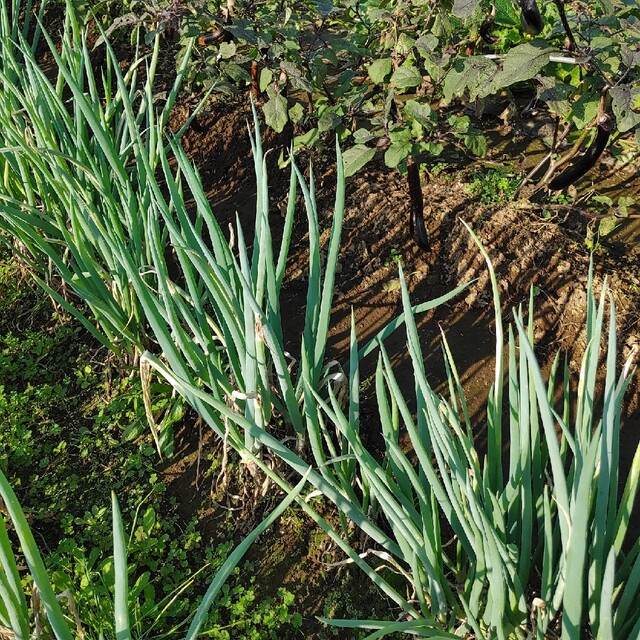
[405, 44]
[227, 50]
[585, 108]
[427, 45]
[521, 63]
[329, 119]
[419, 112]
[396, 153]
[362, 136]
[473, 74]
[356, 157]
[296, 113]
[275, 113]
[505, 13]
[306, 140]
[623, 99]
[464, 8]
[266, 78]
[379, 69]
[555, 94]
[406, 76]
[459, 124]
[432, 148]
[476, 143]
[236, 72]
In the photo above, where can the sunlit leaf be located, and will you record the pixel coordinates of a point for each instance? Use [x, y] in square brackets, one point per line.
[396, 153]
[379, 69]
[418, 111]
[275, 113]
[464, 8]
[406, 76]
[356, 157]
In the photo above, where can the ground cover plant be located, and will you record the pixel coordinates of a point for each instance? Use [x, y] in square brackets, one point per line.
[203, 311]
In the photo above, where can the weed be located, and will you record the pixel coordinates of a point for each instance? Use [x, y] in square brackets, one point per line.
[494, 186]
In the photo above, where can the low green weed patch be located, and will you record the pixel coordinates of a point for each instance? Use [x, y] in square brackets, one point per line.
[494, 186]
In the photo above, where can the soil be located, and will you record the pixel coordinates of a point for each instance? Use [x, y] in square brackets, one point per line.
[527, 249]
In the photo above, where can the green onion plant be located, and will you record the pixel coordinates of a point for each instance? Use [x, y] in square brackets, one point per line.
[529, 538]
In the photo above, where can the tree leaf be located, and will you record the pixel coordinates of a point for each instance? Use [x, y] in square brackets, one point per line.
[266, 78]
[406, 76]
[472, 74]
[379, 70]
[356, 157]
[505, 14]
[555, 94]
[476, 143]
[275, 113]
[296, 113]
[236, 72]
[396, 153]
[623, 99]
[419, 112]
[521, 63]
[361, 136]
[328, 119]
[306, 140]
[464, 8]
[585, 108]
[227, 50]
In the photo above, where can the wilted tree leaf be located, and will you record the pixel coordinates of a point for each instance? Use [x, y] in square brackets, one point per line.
[356, 157]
